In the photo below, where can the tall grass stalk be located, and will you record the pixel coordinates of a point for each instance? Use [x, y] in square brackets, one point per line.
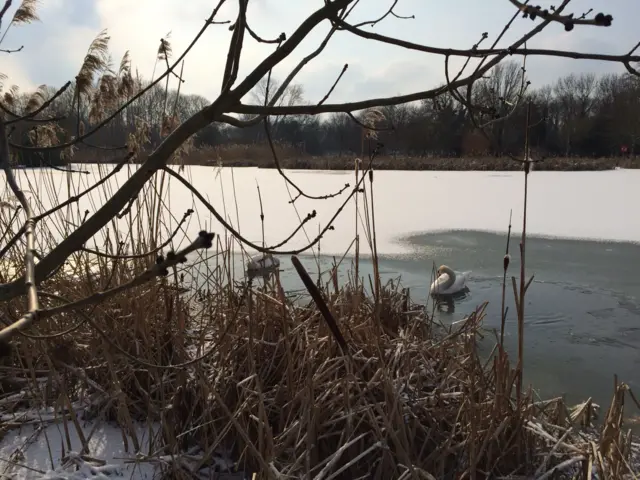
[210, 364]
[520, 297]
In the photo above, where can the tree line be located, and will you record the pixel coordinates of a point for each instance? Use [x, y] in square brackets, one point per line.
[581, 115]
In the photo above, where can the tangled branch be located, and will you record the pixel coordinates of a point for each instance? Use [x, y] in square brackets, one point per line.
[160, 268]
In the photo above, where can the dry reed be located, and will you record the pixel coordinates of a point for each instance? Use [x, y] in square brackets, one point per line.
[224, 364]
[294, 157]
[343, 386]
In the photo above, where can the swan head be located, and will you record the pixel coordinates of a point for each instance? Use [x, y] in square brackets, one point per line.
[442, 269]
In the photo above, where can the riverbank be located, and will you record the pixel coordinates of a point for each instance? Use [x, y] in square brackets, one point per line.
[259, 155]
[387, 162]
[457, 164]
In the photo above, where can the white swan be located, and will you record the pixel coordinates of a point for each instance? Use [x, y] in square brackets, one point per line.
[447, 282]
[262, 264]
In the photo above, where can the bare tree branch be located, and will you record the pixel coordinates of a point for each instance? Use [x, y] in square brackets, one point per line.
[5, 7]
[138, 95]
[30, 116]
[389, 12]
[235, 47]
[230, 101]
[184, 218]
[480, 53]
[29, 260]
[600, 19]
[300, 192]
[160, 268]
[273, 249]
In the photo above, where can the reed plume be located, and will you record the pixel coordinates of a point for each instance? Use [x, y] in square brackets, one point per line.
[96, 60]
[27, 12]
[370, 120]
[126, 85]
[164, 49]
[36, 99]
[10, 97]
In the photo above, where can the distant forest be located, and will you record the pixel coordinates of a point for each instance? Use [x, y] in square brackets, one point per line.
[577, 116]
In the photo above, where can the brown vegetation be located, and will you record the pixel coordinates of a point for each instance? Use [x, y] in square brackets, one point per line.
[259, 155]
[246, 370]
[105, 315]
[291, 157]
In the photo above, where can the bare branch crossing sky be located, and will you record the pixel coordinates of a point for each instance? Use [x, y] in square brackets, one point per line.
[54, 48]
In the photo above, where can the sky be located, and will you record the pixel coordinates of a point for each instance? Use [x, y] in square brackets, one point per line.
[55, 47]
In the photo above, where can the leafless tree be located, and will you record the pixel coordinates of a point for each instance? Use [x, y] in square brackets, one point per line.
[118, 94]
[576, 96]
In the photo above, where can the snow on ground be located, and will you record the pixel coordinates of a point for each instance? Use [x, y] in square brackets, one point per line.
[38, 451]
[36, 445]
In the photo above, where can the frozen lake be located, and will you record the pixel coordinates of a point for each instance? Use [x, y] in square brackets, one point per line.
[583, 310]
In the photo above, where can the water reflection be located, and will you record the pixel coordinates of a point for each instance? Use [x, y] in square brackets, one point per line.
[447, 303]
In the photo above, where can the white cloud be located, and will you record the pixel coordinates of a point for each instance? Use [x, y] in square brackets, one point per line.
[54, 49]
[68, 51]
[15, 73]
[374, 69]
[151, 20]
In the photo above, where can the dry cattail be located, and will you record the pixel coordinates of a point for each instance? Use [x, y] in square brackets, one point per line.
[181, 153]
[371, 118]
[96, 112]
[26, 12]
[125, 81]
[139, 137]
[66, 154]
[96, 60]
[125, 65]
[107, 86]
[11, 97]
[164, 50]
[169, 124]
[44, 135]
[36, 99]
[126, 86]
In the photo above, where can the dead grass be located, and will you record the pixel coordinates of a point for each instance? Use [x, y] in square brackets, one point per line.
[274, 388]
[223, 364]
[291, 157]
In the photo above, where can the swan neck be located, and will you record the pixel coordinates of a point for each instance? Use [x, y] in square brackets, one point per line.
[451, 278]
[448, 271]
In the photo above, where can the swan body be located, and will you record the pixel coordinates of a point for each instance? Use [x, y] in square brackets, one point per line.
[447, 282]
[262, 265]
